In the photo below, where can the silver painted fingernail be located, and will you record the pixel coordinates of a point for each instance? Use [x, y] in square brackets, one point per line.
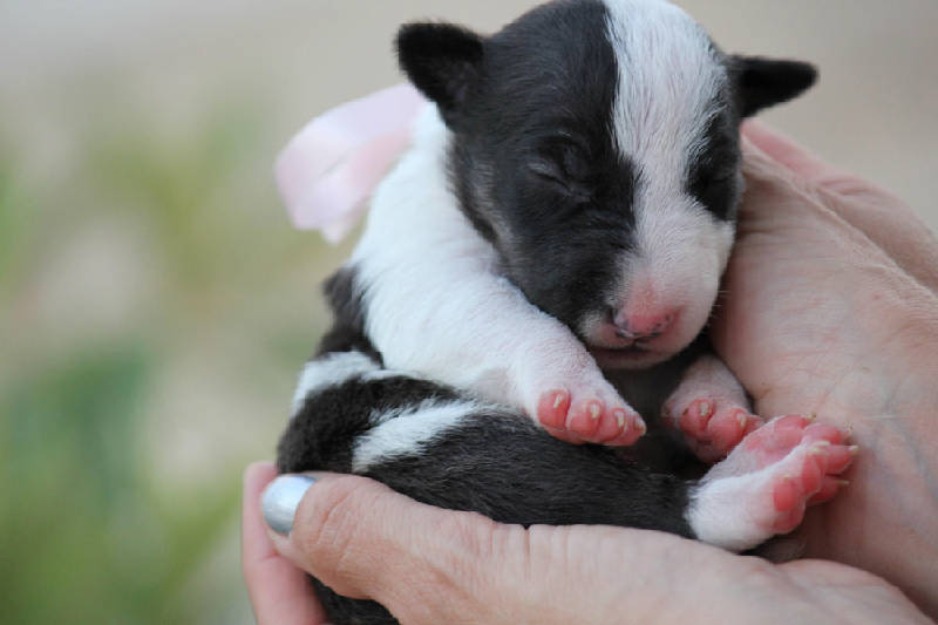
[281, 498]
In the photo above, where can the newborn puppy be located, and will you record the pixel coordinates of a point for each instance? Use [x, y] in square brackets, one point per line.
[567, 205]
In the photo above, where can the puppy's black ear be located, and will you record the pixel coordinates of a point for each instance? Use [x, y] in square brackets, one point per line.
[442, 60]
[760, 83]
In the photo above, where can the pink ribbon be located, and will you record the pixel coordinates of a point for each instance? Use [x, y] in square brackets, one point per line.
[330, 168]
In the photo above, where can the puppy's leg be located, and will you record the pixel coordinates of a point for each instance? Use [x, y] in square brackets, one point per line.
[765, 484]
[556, 381]
[710, 408]
[468, 327]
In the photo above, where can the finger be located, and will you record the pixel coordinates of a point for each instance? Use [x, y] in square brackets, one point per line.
[365, 541]
[787, 152]
[890, 224]
[280, 592]
[812, 169]
[882, 217]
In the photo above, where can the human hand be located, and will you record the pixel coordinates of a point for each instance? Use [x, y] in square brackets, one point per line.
[831, 309]
[430, 566]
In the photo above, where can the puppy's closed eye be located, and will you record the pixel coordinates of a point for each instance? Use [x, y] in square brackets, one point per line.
[565, 165]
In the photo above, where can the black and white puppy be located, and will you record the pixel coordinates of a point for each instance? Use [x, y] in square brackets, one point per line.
[567, 207]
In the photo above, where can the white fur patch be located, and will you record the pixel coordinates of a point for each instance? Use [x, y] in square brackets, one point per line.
[720, 513]
[405, 433]
[331, 370]
[669, 77]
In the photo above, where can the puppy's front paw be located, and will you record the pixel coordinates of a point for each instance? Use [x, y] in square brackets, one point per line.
[710, 409]
[566, 393]
[559, 385]
[589, 415]
[712, 425]
[764, 486]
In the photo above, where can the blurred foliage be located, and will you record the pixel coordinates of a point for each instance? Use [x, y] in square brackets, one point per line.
[88, 532]
[14, 224]
[85, 536]
[178, 190]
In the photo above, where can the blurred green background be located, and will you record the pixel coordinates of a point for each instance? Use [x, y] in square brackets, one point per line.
[155, 305]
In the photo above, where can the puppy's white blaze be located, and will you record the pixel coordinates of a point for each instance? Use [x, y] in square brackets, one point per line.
[332, 370]
[681, 252]
[406, 433]
[419, 247]
[669, 78]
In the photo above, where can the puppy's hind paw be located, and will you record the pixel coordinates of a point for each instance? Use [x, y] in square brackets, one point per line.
[764, 486]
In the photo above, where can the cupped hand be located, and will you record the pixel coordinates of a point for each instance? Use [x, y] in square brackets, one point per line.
[831, 309]
[431, 566]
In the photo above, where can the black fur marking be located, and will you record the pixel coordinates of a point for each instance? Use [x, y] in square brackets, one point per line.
[714, 178]
[533, 160]
[442, 60]
[348, 330]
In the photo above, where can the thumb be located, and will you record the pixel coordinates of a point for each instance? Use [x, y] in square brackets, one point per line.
[365, 541]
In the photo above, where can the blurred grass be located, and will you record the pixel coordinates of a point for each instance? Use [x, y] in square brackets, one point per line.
[15, 231]
[86, 537]
[93, 526]
[178, 190]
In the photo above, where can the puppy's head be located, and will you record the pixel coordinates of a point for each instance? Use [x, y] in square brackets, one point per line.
[595, 144]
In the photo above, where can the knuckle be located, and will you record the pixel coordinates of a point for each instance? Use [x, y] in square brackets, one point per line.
[329, 529]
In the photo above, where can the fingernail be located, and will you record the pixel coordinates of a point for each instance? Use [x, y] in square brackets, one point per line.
[281, 498]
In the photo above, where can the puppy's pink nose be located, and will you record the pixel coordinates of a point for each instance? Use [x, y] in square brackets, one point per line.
[644, 326]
